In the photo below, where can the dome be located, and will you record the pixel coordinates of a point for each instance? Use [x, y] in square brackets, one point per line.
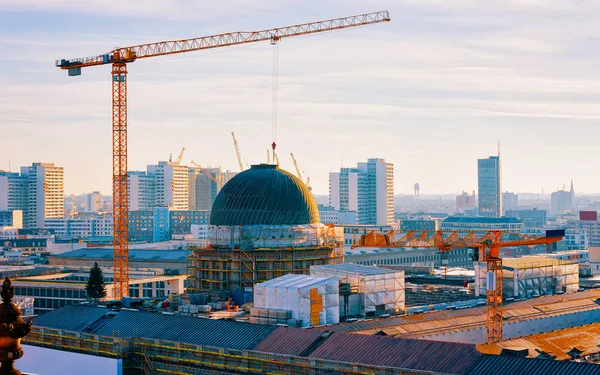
[264, 195]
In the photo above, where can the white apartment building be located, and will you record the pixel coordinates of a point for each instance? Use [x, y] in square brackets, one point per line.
[329, 215]
[142, 191]
[45, 193]
[13, 191]
[367, 189]
[171, 184]
[510, 201]
[83, 226]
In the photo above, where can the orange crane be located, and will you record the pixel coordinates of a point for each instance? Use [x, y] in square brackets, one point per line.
[486, 247]
[120, 57]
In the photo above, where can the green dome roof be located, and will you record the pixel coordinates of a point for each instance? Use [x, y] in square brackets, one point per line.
[264, 195]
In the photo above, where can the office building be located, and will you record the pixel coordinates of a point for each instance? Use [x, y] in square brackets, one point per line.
[12, 218]
[467, 224]
[330, 215]
[367, 189]
[181, 221]
[45, 193]
[561, 202]
[81, 226]
[203, 186]
[171, 184]
[150, 225]
[489, 177]
[93, 202]
[142, 191]
[588, 220]
[510, 201]
[531, 218]
[13, 191]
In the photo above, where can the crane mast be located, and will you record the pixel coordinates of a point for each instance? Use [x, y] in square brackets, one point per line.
[238, 153]
[120, 57]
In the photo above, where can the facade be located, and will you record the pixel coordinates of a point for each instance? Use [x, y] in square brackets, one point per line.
[82, 226]
[12, 218]
[202, 189]
[510, 201]
[171, 184]
[530, 218]
[465, 202]
[181, 221]
[150, 225]
[489, 177]
[430, 258]
[13, 191]
[45, 193]
[458, 223]
[367, 189]
[419, 225]
[343, 189]
[54, 291]
[561, 202]
[592, 228]
[142, 191]
[330, 215]
[93, 202]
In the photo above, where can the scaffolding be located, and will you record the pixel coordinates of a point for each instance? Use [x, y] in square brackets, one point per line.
[151, 357]
[240, 257]
[533, 276]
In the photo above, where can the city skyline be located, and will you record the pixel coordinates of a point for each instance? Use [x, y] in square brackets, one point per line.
[508, 74]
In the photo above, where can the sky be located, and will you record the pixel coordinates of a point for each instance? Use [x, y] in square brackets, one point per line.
[431, 91]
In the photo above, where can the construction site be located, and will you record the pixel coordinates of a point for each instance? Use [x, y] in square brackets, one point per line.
[313, 314]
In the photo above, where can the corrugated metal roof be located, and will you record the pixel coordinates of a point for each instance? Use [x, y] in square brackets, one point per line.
[503, 365]
[134, 255]
[354, 269]
[199, 331]
[288, 340]
[188, 329]
[445, 357]
[556, 343]
[70, 317]
[297, 281]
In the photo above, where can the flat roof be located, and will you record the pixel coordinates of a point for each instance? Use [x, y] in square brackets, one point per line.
[356, 269]
[135, 255]
[481, 220]
[532, 261]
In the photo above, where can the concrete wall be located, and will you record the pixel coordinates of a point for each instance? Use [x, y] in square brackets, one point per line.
[523, 328]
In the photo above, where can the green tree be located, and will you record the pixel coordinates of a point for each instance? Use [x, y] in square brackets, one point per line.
[95, 287]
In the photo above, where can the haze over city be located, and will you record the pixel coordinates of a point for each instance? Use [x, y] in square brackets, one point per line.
[431, 92]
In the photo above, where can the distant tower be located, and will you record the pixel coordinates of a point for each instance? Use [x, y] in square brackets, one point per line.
[417, 190]
[572, 190]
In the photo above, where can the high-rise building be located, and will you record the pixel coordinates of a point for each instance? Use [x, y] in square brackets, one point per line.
[510, 201]
[45, 193]
[171, 184]
[343, 189]
[142, 191]
[367, 189]
[490, 186]
[93, 202]
[202, 189]
[561, 202]
[13, 191]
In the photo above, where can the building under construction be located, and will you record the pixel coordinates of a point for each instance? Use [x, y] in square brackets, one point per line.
[264, 224]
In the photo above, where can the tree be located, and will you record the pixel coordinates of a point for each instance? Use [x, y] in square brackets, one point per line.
[95, 287]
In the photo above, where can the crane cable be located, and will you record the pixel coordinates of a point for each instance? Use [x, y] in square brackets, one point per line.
[275, 95]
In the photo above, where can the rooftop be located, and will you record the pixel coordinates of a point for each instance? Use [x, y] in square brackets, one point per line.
[354, 269]
[481, 220]
[532, 261]
[134, 255]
